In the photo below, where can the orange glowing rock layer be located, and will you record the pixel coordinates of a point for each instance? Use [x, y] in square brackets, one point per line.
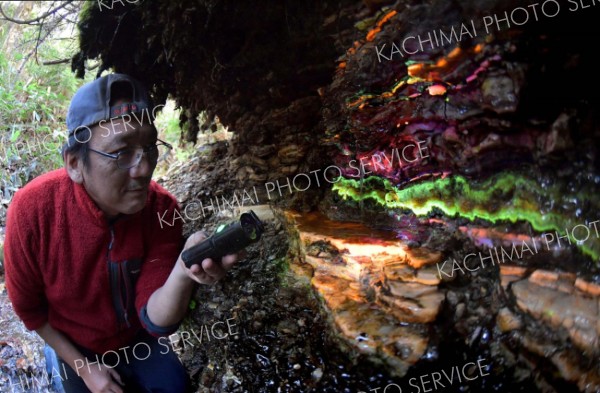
[380, 294]
[373, 32]
[554, 298]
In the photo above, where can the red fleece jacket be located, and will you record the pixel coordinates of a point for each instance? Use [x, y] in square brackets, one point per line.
[57, 253]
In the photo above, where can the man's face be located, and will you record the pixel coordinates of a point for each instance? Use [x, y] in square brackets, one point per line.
[117, 190]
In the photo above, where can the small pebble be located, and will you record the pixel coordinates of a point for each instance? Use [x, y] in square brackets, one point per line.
[317, 374]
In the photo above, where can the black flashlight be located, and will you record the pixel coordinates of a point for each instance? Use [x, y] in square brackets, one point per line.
[227, 239]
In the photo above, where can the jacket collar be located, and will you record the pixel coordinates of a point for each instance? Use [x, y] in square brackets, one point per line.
[88, 207]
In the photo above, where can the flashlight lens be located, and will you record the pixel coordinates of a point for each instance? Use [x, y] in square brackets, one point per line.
[251, 226]
[248, 228]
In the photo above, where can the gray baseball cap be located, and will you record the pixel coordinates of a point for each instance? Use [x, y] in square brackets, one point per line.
[91, 103]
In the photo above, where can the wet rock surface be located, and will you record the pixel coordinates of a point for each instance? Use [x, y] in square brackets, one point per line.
[357, 309]
[553, 299]
[375, 310]
[282, 343]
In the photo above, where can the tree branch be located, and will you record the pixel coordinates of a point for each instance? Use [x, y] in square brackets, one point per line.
[34, 21]
[53, 62]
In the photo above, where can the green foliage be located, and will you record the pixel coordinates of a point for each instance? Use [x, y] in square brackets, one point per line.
[33, 100]
[167, 124]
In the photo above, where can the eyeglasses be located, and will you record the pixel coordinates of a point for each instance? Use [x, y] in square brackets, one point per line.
[128, 158]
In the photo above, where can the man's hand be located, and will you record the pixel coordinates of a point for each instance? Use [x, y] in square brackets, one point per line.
[169, 303]
[208, 271]
[97, 380]
[102, 380]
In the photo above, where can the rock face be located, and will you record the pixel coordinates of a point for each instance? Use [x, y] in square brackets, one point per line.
[553, 298]
[563, 303]
[259, 76]
[384, 298]
[480, 138]
[373, 288]
[457, 148]
[457, 95]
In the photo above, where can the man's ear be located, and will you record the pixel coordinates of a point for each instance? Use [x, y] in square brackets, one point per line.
[74, 167]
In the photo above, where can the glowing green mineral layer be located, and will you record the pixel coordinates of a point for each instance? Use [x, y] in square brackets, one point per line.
[504, 197]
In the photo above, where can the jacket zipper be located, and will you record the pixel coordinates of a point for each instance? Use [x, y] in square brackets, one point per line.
[121, 278]
[125, 302]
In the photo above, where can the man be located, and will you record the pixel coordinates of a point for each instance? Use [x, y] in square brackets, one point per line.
[88, 266]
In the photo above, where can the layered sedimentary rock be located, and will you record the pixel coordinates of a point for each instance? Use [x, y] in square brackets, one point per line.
[491, 110]
[458, 94]
[562, 302]
[503, 126]
[380, 294]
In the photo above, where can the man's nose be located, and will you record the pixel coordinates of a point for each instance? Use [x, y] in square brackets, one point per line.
[144, 167]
